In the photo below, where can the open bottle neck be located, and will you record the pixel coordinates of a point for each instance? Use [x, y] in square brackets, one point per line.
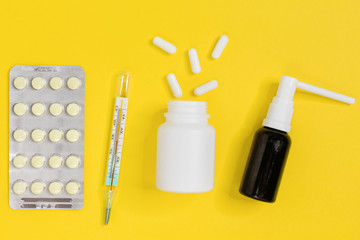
[187, 112]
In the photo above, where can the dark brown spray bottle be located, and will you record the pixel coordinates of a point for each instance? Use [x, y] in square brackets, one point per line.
[271, 143]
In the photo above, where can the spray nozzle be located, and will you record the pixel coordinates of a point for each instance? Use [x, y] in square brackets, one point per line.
[281, 109]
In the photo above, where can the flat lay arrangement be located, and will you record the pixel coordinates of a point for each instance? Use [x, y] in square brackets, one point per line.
[180, 120]
[185, 143]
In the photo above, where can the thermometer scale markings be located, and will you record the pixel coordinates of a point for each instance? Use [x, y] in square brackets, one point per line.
[117, 140]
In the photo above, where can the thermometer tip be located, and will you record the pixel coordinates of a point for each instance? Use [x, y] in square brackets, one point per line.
[107, 216]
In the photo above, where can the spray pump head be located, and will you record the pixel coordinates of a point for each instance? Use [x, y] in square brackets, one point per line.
[281, 109]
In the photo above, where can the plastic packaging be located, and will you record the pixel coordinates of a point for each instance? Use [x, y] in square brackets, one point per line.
[42, 137]
[272, 143]
[185, 149]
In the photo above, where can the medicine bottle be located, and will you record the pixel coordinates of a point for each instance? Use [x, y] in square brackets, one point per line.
[271, 143]
[185, 149]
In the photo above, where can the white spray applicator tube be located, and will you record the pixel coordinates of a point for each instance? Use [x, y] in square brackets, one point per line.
[281, 109]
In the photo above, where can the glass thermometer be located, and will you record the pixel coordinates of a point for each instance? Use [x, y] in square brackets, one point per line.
[116, 142]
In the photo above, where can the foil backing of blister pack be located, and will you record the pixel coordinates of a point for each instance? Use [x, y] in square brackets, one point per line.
[46, 148]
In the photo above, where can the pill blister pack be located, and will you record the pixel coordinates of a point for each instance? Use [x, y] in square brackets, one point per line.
[46, 137]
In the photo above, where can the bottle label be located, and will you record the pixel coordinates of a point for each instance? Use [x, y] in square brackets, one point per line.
[116, 142]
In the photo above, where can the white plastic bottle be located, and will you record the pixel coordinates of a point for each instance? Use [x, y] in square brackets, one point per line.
[185, 149]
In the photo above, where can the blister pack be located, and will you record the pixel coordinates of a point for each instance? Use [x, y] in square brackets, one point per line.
[46, 137]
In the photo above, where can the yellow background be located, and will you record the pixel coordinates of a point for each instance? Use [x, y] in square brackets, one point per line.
[317, 42]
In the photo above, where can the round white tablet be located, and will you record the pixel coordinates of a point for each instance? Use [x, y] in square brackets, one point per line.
[55, 187]
[56, 109]
[19, 135]
[37, 161]
[37, 187]
[37, 135]
[55, 161]
[72, 161]
[73, 83]
[72, 135]
[55, 135]
[37, 83]
[56, 83]
[38, 109]
[20, 83]
[73, 109]
[19, 161]
[20, 109]
[19, 187]
[72, 187]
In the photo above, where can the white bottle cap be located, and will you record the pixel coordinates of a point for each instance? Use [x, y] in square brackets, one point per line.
[281, 109]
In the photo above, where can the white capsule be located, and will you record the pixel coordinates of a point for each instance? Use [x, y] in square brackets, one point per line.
[164, 45]
[194, 61]
[206, 87]
[220, 45]
[174, 85]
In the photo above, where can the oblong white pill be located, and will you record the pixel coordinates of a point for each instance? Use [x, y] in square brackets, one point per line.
[164, 45]
[174, 85]
[194, 61]
[206, 87]
[220, 45]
